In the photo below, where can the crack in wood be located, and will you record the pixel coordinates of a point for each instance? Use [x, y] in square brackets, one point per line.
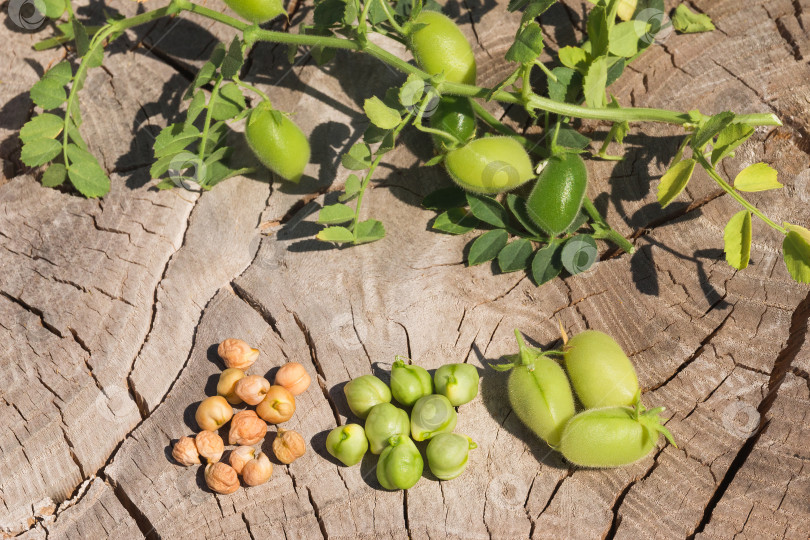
[782, 365]
[617, 519]
[145, 526]
[317, 511]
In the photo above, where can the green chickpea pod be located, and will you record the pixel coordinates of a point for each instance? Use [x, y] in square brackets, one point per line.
[600, 372]
[432, 415]
[439, 46]
[277, 141]
[347, 443]
[409, 382]
[365, 392]
[489, 165]
[400, 465]
[383, 422]
[447, 454]
[457, 382]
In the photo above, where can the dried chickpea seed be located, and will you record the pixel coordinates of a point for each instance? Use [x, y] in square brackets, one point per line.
[213, 413]
[240, 456]
[288, 446]
[237, 354]
[278, 405]
[257, 470]
[227, 382]
[293, 377]
[221, 478]
[251, 389]
[209, 445]
[185, 452]
[246, 428]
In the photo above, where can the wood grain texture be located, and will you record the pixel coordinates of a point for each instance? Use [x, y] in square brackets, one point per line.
[110, 311]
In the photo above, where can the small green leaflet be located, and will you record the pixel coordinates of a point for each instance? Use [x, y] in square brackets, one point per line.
[369, 230]
[357, 158]
[534, 9]
[687, 22]
[195, 107]
[599, 30]
[796, 251]
[528, 44]
[594, 83]
[174, 138]
[334, 214]
[335, 234]
[80, 36]
[455, 221]
[85, 173]
[624, 38]
[515, 256]
[567, 87]
[380, 114]
[518, 207]
[757, 177]
[40, 151]
[49, 92]
[487, 210]
[351, 189]
[55, 175]
[232, 63]
[53, 9]
[547, 263]
[411, 92]
[487, 246]
[729, 139]
[674, 181]
[44, 126]
[710, 128]
[573, 58]
[571, 138]
[229, 103]
[737, 239]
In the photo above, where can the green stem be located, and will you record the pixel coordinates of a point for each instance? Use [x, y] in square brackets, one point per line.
[606, 232]
[502, 128]
[417, 122]
[735, 194]
[387, 9]
[252, 88]
[207, 124]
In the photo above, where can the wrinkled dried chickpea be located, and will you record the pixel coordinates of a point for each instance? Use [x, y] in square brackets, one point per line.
[251, 389]
[246, 428]
[209, 445]
[257, 470]
[278, 405]
[185, 452]
[221, 478]
[288, 446]
[240, 456]
[213, 413]
[237, 354]
[227, 381]
[293, 377]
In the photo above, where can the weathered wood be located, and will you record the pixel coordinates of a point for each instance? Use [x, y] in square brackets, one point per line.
[109, 311]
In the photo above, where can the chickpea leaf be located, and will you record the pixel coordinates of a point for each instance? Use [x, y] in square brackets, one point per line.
[624, 38]
[49, 92]
[674, 181]
[54, 175]
[335, 234]
[533, 10]
[43, 126]
[229, 103]
[351, 189]
[487, 246]
[568, 86]
[710, 128]
[368, 231]
[445, 198]
[599, 30]
[85, 173]
[528, 44]
[380, 114]
[515, 256]
[579, 253]
[53, 9]
[517, 205]
[455, 221]
[334, 214]
[737, 239]
[757, 177]
[357, 158]
[687, 22]
[411, 91]
[573, 58]
[594, 83]
[487, 210]
[796, 252]
[729, 139]
[40, 151]
[174, 138]
[232, 63]
[547, 263]
[80, 37]
[568, 137]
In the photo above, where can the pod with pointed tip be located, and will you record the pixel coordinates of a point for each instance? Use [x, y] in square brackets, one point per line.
[557, 195]
[277, 141]
[439, 46]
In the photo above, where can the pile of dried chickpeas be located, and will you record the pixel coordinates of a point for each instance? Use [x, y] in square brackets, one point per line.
[274, 404]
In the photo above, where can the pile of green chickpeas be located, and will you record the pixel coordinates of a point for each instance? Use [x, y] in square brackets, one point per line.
[390, 431]
[613, 430]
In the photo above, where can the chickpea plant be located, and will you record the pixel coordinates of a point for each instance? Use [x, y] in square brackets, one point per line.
[555, 228]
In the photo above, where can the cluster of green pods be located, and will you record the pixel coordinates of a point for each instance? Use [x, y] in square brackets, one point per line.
[390, 431]
[613, 430]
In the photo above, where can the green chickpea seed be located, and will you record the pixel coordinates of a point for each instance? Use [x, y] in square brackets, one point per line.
[447, 454]
[400, 465]
[409, 382]
[365, 392]
[432, 415]
[612, 436]
[600, 372]
[347, 443]
[457, 382]
[383, 422]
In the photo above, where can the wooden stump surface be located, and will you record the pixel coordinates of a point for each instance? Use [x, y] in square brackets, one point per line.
[110, 310]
